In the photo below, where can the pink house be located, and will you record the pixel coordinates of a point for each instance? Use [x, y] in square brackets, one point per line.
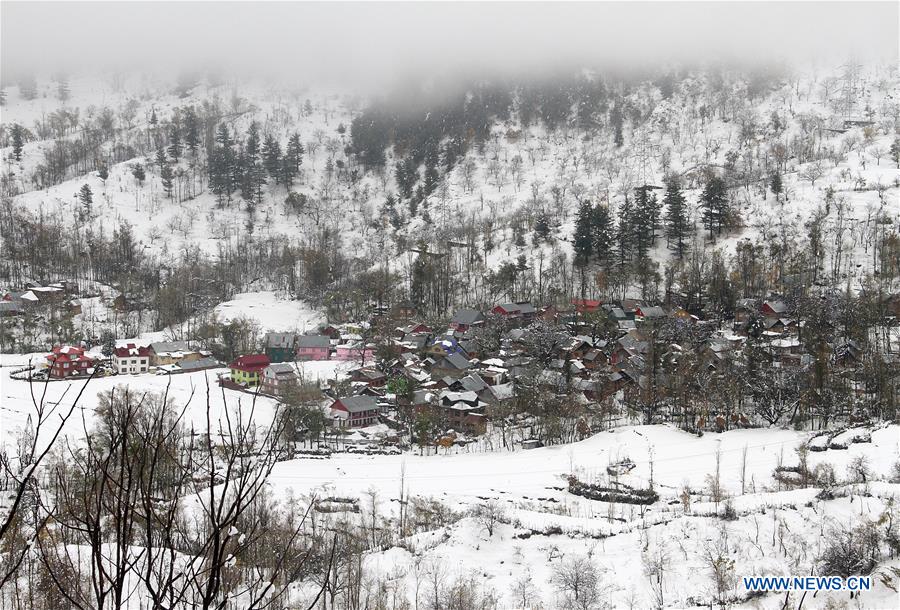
[313, 347]
[355, 351]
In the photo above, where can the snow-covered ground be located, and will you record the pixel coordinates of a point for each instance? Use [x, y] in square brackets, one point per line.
[271, 312]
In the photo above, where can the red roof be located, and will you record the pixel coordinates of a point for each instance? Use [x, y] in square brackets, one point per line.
[68, 353]
[586, 304]
[131, 350]
[251, 363]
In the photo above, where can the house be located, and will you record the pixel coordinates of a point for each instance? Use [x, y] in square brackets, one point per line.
[188, 366]
[774, 309]
[313, 347]
[67, 361]
[355, 411]
[280, 347]
[587, 305]
[278, 378]
[464, 319]
[650, 314]
[404, 310]
[9, 309]
[463, 411]
[368, 376]
[173, 352]
[451, 365]
[355, 351]
[523, 311]
[415, 328]
[247, 369]
[48, 294]
[131, 359]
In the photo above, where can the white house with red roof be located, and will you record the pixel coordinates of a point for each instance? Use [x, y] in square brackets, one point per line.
[131, 359]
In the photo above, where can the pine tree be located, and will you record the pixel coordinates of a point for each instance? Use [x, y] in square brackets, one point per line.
[271, 153]
[18, 140]
[582, 239]
[390, 210]
[174, 149]
[161, 160]
[676, 217]
[615, 120]
[191, 130]
[601, 234]
[103, 172]
[714, 202]
[432, 177]
[895, 150]
[643, 220]
[222, 166]
[294, 151]
[86, 197]
[168, 179]
[624, 235]
[542, 226]
[2, 96]
[776, 184]
[139, 174]
[288, 172]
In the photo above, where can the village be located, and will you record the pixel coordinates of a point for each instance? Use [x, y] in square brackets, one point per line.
[518, 374]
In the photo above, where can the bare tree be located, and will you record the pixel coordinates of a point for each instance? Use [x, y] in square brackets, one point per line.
[45, 428]
[577, 581]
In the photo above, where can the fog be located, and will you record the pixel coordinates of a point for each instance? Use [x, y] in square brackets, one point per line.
[367, 43]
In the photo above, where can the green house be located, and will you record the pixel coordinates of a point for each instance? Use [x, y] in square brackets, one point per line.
[280, 347]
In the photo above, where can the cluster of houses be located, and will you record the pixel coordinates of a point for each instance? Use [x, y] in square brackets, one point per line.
[459, 382]
[37, 296]
[451, 375]
[170, 357]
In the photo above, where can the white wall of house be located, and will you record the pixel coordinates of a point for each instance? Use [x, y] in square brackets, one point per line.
[131, 364]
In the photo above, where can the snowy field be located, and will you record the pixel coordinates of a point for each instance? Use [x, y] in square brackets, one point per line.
[271, 312]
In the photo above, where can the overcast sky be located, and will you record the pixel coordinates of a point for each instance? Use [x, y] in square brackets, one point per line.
[368, 41]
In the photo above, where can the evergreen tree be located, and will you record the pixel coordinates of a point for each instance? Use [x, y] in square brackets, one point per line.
[103, 172]
[714, 202]
[542, 226]
[615, 121]
[601, 234]
[191, 130]
[174, 149]
[139, 174]
[168, 179]
[582, 239]
[222, 164]
[390, 210]
[154, 121]
[2, 96]
[288, 172]
[432, 177]
[895, 150]
[676, 217]
[86, 197]
[161, 158]
[643, 221]
[294, 152]
[18, 140]
[272, 156]
[776, 184]
[624, 235]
